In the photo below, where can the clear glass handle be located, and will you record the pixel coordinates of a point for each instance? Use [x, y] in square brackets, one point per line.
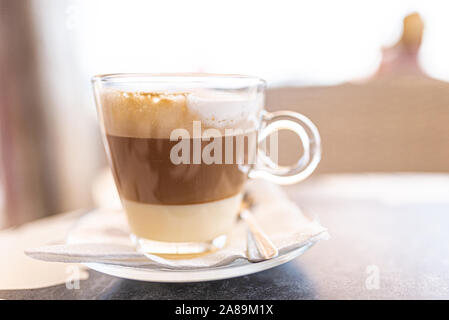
[310, 139]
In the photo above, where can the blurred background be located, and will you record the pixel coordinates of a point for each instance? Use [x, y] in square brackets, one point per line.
[371, 74]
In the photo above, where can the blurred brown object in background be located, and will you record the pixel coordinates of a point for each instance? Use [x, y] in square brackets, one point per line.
[397, 121]
[403, 56]
[25, 156]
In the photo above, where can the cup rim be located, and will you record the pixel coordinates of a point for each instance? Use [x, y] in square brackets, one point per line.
[167, 77]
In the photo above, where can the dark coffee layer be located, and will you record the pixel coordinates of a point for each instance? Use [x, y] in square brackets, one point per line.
[145, 173]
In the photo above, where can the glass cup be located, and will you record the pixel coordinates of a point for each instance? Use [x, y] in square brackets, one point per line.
[182, 146]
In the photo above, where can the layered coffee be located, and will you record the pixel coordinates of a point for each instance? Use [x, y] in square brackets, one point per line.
[173, 190]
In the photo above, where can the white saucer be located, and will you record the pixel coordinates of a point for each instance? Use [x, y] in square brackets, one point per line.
[236, 269]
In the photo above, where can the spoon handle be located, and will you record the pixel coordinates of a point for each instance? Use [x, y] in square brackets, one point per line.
[264, 245]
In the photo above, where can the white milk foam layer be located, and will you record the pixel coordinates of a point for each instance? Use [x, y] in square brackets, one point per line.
[223, 109]
[157, 114]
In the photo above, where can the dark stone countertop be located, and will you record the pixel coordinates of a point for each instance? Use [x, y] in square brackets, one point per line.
[378, 250]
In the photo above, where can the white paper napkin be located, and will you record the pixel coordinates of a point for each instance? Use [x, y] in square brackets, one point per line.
[102, 236]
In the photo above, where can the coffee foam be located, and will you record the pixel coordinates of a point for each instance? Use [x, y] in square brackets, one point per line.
[156, 115]
[221, 109]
